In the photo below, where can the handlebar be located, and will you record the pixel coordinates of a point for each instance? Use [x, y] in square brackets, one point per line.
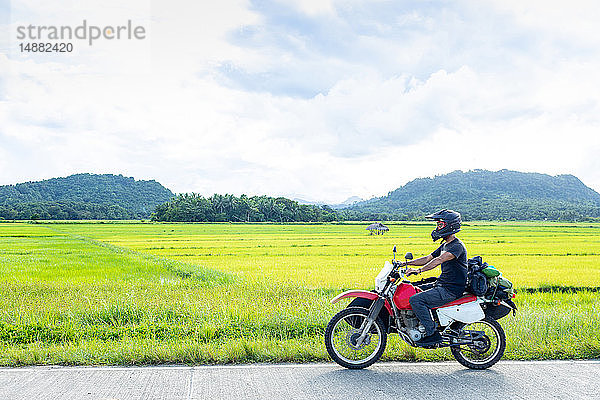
[401, 267]
[398, 270]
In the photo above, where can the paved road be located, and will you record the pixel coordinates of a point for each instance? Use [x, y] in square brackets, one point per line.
[506, 380]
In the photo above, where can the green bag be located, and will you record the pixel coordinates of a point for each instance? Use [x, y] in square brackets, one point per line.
[501, 283]
[490, 271]
[505, 283]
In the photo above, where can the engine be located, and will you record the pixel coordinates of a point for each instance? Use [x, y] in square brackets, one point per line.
[413, 326]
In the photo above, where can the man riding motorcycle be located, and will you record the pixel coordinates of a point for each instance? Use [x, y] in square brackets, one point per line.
[450, 285]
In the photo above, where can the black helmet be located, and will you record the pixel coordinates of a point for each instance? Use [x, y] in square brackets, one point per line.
[451, 220]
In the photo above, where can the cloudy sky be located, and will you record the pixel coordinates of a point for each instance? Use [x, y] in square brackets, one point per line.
[315, 99]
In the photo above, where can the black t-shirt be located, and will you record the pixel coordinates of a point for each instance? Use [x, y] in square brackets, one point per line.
[454, 272]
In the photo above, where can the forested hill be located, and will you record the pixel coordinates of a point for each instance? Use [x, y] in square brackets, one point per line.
[82, 196]
[487, 195]
[477, 195]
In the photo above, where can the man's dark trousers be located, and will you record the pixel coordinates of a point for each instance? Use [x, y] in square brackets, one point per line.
[422, 302]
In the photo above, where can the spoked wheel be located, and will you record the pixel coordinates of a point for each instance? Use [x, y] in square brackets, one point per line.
[342, 335]
[486, 347]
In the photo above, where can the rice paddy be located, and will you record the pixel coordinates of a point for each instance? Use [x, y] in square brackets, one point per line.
[149, 293]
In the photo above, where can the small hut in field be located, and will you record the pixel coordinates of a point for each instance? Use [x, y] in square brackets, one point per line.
[377, 229]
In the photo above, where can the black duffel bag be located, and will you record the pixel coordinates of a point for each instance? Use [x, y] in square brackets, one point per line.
[477, 282]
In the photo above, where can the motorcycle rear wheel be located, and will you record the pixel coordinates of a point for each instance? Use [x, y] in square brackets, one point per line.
[481, 354]
[341, 335]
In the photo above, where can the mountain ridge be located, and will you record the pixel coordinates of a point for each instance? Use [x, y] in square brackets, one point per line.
[482, 193]
[83, 195]
[477, 194]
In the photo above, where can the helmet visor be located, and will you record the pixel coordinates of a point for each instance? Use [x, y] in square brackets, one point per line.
[440, 225]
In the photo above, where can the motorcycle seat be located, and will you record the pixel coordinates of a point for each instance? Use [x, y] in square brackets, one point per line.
[467, 298]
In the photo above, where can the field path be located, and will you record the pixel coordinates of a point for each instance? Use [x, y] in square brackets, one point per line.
[448, 380]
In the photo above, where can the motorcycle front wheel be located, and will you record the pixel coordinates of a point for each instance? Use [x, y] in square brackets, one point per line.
[487, 342]
[342, 334]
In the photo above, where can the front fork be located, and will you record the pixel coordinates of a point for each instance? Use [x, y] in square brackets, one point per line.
[366, 325]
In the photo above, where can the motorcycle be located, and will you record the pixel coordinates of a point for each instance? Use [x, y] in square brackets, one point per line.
[356, 336]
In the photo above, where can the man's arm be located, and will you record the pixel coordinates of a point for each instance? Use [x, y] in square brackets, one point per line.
[420, 261]
[430, 263]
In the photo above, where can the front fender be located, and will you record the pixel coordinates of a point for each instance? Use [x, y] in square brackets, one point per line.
[364, 294]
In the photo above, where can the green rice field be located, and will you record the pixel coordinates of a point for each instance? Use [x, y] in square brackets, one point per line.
[151, 293]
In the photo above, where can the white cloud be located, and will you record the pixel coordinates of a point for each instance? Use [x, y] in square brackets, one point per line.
[575, 21]
[311, 7]
[303, 118]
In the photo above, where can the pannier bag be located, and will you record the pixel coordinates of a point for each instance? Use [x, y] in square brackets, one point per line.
[500, 288]
[478, 284]
[477, 281]
[486, 280]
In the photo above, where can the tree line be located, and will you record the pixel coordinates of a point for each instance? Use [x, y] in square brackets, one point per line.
[192, 207]
[64, 210]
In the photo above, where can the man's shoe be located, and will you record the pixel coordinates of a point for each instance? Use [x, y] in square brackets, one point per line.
[430, 340]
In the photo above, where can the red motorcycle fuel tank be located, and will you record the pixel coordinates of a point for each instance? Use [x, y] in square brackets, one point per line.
[402, 294]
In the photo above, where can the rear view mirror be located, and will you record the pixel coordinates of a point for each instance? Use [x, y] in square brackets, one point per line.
[408, 256]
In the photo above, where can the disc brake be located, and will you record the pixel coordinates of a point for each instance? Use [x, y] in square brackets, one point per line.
[353, 338]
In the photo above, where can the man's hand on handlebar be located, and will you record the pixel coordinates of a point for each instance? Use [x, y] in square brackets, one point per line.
[412, 271]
